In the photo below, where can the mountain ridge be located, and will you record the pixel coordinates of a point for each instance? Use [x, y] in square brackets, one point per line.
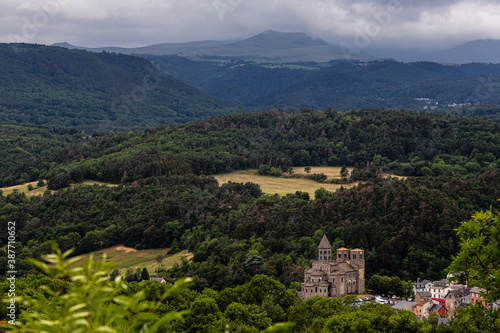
[305, 47]
[268, 46]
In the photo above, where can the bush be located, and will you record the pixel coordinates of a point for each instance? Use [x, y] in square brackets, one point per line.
[59, 181]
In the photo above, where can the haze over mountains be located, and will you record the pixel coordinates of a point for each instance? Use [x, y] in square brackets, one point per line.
[483, 51]
[273, 46]
[269, 46]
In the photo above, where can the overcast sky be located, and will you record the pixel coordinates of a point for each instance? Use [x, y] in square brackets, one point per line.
[412, 23]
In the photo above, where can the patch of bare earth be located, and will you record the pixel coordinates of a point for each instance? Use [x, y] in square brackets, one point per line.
[124, 248]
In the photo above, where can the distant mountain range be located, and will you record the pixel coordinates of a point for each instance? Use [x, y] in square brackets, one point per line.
[279, 47]
[380, 83]
[269, 46]
[99, 92]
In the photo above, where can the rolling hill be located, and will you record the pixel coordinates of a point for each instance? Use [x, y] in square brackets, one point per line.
[389, 84]
[383, 84]
[54, 86]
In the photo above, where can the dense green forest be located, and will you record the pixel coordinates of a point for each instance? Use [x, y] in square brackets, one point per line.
[95, 92]
[406, 227]
[237, 81]
[406, 143]
[167, 200]
[389, 84]
[252, 307]
[249, 249]
[245, 236]
[341, 85]
[25, 150]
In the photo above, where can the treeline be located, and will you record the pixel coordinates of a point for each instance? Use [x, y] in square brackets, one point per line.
[406, 143]
[406, 227]
[491, 112]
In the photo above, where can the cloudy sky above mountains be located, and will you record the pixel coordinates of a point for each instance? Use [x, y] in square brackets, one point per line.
[410, 23]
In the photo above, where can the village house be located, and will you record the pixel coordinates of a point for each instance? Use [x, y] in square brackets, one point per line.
[455, 299]
[443, 296]
[157, 279]
[475, 296]
[440, 309]
[421, 309]
[423, 295]
[421, 285]
[404, 305]
[334, 278]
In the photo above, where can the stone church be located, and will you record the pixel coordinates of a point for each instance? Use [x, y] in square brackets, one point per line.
[334, 278]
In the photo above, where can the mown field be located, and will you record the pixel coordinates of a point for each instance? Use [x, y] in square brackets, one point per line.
[282, 186]
[127, 257]
[40, 190]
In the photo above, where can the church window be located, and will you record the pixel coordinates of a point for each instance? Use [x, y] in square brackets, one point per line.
[316, 289]
[320, 252]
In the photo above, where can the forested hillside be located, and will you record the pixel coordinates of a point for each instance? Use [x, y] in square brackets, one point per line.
[24, 150]
[389, 84]
[406, 227]
[341, 85]
[95, 92]
[166, 198]
[235, 81]
[407, 143]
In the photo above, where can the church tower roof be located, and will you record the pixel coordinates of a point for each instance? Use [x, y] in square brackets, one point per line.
[324, 244]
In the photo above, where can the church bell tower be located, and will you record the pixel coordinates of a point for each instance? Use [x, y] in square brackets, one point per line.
[324, 250]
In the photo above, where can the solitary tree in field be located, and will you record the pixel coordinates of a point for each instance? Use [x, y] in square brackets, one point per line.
[145, 274]
[307, 169]
[159, 259]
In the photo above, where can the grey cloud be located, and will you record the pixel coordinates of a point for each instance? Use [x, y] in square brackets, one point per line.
[142, 22]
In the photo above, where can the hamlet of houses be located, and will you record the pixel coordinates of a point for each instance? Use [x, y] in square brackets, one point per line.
[343, 273]
[441, 296]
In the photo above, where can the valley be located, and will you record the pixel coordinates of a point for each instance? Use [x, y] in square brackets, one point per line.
[281, 179]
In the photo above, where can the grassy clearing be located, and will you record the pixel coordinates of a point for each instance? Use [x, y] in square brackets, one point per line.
[40, 190]
[126, 257]
[283, 186]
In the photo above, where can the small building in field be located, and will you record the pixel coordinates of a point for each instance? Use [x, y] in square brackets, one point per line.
[157, 279]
